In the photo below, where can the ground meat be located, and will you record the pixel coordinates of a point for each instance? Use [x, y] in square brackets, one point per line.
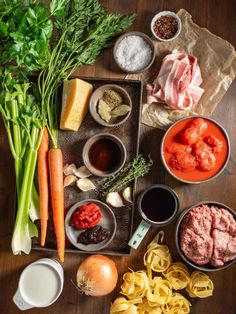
[223, 220]
[208, 235]
[197, 248]
[214, 143]
[193, 131]
[224, 248]
[205, 158]
[183, 161]
[199, 219]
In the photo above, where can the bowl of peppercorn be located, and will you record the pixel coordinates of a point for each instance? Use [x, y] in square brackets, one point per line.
[166, 26]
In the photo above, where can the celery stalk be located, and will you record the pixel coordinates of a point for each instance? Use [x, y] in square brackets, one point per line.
[21, 240]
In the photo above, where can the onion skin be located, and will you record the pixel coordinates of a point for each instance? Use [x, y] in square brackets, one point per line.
[97, 276]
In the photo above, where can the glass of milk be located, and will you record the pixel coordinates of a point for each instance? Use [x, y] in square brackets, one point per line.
[40, 284]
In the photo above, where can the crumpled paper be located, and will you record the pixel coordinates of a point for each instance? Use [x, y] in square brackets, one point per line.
[217, 61]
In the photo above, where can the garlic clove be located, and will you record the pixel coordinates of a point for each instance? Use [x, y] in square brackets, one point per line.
[127, 194]
[82, 172]
[114, 199]
[69, 169]
[69, 180]
[85, 185]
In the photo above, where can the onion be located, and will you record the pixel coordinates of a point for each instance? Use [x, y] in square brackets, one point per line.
[97, 276]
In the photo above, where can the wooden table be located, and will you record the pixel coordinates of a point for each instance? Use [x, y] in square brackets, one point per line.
[218, 17]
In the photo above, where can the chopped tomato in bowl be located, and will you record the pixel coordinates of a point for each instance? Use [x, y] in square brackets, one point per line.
[195, 149]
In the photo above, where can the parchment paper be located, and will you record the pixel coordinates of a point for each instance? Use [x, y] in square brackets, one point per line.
[217, 61]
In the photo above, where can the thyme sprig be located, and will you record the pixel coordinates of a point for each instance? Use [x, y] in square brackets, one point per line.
[136, 168]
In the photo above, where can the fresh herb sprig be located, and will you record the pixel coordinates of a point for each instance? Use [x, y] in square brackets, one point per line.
[136, 168]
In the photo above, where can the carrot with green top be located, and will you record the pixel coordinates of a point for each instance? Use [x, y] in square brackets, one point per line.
[57, 197]
[43, 180]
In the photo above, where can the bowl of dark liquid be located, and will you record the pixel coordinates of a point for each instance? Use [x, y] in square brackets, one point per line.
[158, 206]
[104, 154]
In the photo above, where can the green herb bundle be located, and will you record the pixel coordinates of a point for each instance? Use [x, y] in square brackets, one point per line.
[25, 28]
[136, 168]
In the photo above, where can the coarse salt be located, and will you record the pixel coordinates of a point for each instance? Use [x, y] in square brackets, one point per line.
[133, 53]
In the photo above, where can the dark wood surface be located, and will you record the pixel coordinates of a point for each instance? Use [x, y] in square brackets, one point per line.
[219, 17]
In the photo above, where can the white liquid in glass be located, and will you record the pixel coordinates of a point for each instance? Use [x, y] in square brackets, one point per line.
[40, 284]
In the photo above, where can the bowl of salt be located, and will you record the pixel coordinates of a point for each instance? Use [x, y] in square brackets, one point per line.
[134, 52]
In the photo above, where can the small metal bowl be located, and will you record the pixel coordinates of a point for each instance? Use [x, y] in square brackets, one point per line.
[144, 37]
[90, 142]
[93, 104]
[108, 221]
[195, 182]
[164, 13]
[207, 267]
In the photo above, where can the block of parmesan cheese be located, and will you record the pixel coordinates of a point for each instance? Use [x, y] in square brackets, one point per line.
[75, 101]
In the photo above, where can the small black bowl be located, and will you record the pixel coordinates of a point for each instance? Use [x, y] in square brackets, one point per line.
[207, 267]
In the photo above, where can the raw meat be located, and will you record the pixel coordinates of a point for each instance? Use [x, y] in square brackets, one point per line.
[197, 248]
[177, 83]
[224, 248]
[208, 235]
[223, 220]
[199, 219]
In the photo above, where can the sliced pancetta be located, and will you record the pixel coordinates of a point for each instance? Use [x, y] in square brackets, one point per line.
[177, 83]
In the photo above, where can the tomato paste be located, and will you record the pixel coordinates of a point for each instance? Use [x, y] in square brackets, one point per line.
[195, 149]
[87, 216]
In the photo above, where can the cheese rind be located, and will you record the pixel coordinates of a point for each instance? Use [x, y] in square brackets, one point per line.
[75, 101]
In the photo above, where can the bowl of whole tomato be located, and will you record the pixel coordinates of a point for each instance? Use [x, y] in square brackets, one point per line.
[195, 149]
[90, 225]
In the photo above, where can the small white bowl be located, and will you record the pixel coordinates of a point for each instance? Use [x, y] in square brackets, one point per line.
[164, 13]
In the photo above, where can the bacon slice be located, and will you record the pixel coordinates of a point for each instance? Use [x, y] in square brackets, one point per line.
[177, 83]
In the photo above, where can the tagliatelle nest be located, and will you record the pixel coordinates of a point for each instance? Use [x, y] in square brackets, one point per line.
[157, 257]
[154, 295]
[200, 285]
[177, 304]
[178, 275]
[135, 284]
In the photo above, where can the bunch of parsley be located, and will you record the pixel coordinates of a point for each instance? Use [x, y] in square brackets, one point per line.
[25, 30]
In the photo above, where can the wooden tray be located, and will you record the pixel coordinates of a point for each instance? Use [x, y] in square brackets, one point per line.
[72, 144]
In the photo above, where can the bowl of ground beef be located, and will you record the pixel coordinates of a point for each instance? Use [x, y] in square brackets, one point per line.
[205, 236]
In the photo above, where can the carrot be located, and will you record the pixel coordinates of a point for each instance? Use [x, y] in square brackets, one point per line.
[57, 198]
[43, 184]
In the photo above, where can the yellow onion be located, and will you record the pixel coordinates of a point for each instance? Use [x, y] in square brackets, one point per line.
[97, 276]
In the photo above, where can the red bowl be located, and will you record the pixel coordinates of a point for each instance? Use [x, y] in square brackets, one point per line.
[202, 177]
